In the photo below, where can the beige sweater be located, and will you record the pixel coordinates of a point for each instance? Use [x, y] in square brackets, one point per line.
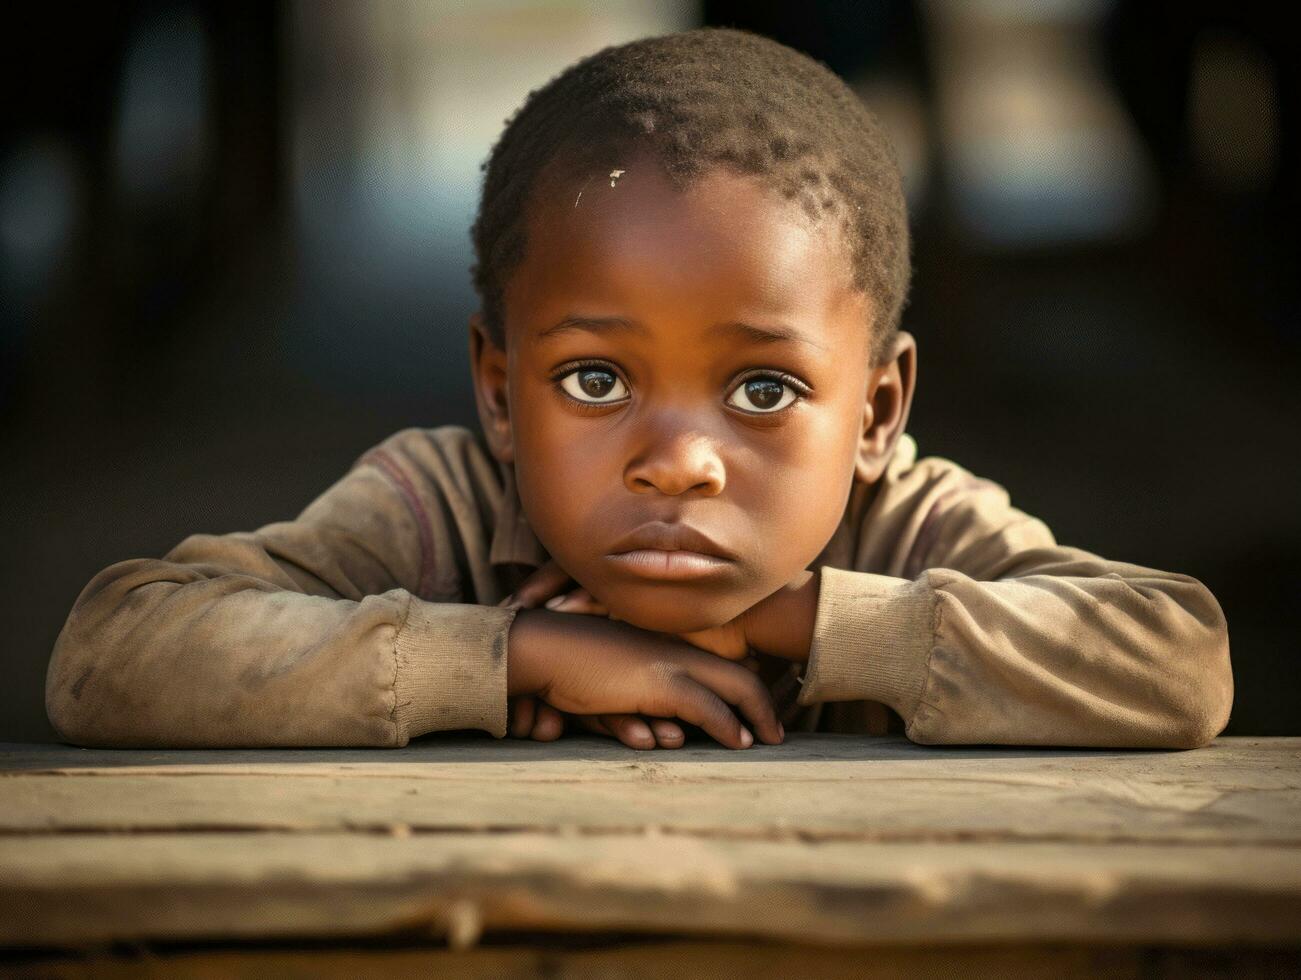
[371, 619]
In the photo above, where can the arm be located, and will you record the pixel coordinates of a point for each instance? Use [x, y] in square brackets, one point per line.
[990, 632]
[307, 632]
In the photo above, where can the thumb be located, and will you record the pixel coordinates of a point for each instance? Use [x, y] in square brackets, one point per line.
[579, 601]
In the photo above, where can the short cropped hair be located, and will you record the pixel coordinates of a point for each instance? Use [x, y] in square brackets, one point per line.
[698, 100]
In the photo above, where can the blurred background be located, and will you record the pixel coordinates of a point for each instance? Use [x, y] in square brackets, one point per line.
[234, 254]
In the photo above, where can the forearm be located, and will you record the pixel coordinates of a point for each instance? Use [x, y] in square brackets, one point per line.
[1064, 648]
[167, 653]
[533, 639]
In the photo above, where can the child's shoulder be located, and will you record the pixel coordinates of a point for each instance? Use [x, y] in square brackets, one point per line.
[457, 440]
[909, 474]
[930, 510]
[449, 457]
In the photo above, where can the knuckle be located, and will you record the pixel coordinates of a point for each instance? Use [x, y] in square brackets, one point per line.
[664, 675]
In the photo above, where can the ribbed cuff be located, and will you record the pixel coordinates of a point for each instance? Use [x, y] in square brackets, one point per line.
[871, 640]
[451, 669]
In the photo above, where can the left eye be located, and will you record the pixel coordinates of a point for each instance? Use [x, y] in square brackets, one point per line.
[762, 394]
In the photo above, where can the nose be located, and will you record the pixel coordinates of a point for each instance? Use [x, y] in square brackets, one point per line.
[676, 463]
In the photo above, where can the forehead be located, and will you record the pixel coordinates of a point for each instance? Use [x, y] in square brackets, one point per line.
[725, 248]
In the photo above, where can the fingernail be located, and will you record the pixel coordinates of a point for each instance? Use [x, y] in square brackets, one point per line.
[746, 738]
[556, 602]
[508, 600]
[781, 729]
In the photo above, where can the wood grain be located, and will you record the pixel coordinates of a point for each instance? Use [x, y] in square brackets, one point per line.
[827, 839]
[814, 787]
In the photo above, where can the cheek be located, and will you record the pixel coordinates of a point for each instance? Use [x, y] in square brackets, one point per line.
[803, 457]
[796, 489]
[560, 469]
[804, 503]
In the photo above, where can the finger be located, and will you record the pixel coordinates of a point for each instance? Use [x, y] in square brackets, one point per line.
[668, 734]
[521, 716]
[578, 601]
[691, 701]
[550, 723]
[742, 689]
[630, 730]
[546, 582]
[594, 605]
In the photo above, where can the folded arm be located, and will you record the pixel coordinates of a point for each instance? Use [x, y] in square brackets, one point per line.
[301, 633]
[1007, 637]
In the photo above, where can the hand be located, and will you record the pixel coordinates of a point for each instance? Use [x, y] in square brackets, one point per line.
[587, 665]
[530, 717]
[780, 625]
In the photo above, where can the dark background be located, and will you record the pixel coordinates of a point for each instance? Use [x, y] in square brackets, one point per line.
[234, 254]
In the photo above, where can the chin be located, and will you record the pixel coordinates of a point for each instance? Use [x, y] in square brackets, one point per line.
[673, 614]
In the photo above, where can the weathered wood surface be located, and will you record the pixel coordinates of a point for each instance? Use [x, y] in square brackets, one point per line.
[95, 888]
[816, 787]
[828, 839]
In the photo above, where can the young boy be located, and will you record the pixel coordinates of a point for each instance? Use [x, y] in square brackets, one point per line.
[692, 257]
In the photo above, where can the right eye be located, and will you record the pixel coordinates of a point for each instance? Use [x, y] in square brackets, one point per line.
[594, 386]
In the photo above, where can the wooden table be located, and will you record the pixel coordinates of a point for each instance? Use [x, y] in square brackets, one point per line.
[827, 856]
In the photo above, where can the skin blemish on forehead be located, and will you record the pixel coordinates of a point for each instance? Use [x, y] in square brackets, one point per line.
[615, 175]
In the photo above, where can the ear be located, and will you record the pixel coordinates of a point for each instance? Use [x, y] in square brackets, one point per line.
[885, 411]
[491, 396]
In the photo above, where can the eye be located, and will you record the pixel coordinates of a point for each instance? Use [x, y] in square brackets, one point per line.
[762, 393]
[594, 386]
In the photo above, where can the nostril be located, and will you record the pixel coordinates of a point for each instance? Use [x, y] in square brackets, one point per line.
[677, 467]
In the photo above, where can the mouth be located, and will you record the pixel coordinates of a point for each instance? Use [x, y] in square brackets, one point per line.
[670, 552]
[669, 565]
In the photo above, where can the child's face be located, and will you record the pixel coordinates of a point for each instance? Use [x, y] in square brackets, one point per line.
[658, 409]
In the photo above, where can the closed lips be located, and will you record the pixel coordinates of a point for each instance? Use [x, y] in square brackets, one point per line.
[660, 536]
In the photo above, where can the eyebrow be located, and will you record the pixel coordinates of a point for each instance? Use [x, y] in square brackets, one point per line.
[592, 324]
[774, 334]
[611, 324]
